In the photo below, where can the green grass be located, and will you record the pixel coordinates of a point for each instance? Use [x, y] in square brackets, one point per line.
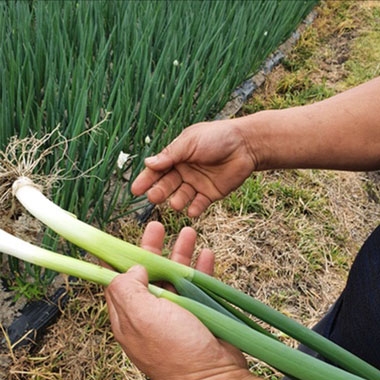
[248, 198]
[364, 63]
[292, 200]
[302, 207]
[293, 90]
[306, 79]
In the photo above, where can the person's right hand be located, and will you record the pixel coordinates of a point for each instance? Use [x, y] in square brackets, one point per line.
[203, 164]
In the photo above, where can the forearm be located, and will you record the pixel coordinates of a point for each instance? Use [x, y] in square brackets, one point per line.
[342, 132]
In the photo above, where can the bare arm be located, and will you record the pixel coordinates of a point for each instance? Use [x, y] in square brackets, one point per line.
[209, 160]
[342, 132]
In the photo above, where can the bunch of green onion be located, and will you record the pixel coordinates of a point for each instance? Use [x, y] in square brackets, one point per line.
[223, 309]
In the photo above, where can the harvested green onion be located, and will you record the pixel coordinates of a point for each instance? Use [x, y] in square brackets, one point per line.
[227, 328]
[119, 254]
[25, 251]
[122, 255]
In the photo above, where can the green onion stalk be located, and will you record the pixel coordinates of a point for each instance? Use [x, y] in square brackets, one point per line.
[190, 283]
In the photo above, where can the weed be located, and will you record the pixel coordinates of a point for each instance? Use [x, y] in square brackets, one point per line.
[27, 289]
[248, 198]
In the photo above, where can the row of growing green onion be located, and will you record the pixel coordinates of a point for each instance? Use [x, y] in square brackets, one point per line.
[154, 66]
[223, 309]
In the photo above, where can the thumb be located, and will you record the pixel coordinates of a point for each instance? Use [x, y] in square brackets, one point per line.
[138, 274]
[168, 157]
[125, 285]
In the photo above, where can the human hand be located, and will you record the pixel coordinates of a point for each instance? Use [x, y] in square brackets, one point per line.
[203, 164]
[164, 340]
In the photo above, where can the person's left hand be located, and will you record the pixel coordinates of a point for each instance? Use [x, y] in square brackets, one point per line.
[165, 341]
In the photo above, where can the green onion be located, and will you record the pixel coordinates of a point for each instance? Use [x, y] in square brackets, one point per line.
[118, 56]
[122, 255]
[310, 338]
[119, 254]
[25, 251]
[287, 360]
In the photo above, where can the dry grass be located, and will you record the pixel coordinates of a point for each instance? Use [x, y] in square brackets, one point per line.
[79, 346]
[293, 252]
[296, 259]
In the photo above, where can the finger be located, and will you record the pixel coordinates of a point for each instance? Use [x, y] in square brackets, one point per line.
[153, 241]
[125, 296]
[182, 197]
[166, 186]
[153, 237]
[184, 246]
[171, 155]
[206, 261]
[161, 161]
[157, 166]
[198, 205]
[125, 285]
[145, 180]
[138, 274]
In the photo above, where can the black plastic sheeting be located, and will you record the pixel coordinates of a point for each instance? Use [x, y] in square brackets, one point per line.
[35, 318]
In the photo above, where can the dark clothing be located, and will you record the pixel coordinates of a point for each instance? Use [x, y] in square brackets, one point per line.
[353, 322]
